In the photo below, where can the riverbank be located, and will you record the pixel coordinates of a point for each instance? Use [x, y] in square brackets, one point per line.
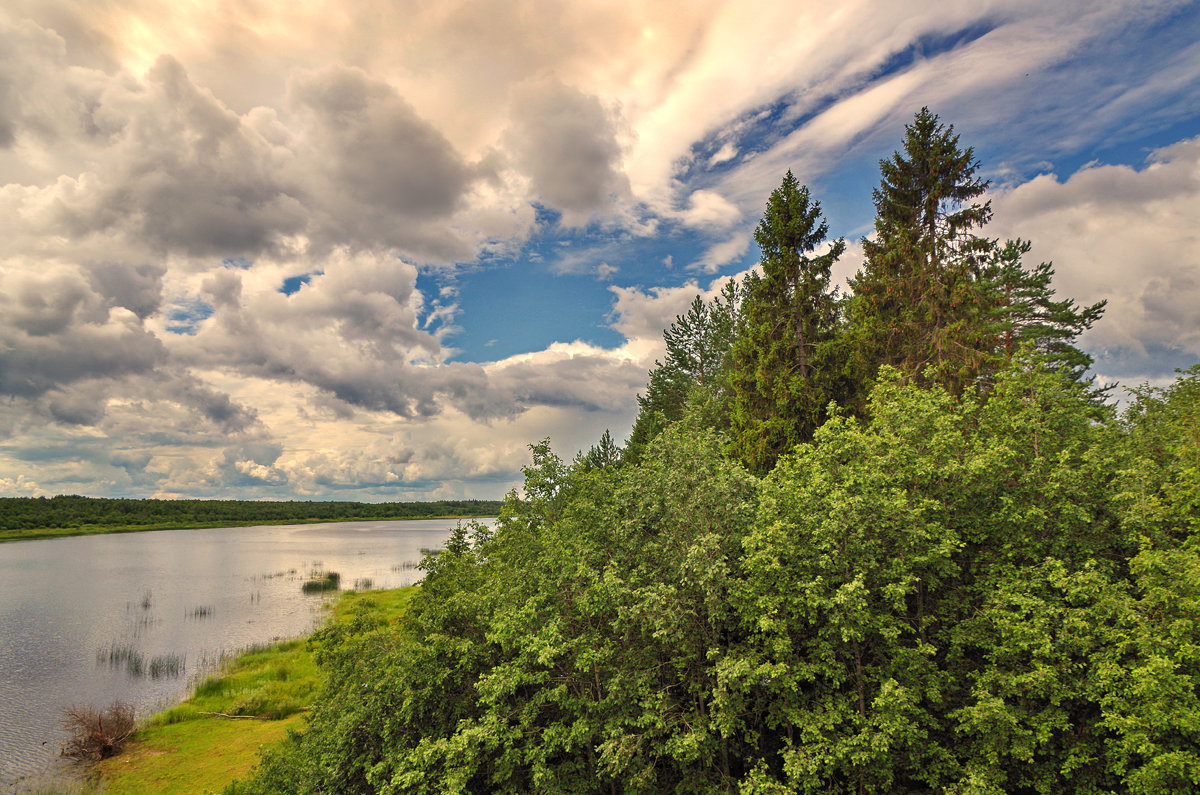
[215, 736]
[27, 518]
[90, 530]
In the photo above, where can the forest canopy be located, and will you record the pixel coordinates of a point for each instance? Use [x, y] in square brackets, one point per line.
[889, 541]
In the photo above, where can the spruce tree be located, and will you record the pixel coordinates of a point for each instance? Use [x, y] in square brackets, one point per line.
[782, 377]
[920, 301]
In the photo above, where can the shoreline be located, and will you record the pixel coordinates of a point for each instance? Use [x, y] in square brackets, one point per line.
[195, 745]
[43, 534]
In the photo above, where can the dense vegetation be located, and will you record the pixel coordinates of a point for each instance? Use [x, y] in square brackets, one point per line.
[25, 516]
[885, 542]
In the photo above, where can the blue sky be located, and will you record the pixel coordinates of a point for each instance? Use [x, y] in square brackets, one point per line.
[372, 250]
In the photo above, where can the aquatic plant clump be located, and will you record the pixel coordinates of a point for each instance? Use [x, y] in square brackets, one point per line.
[136, 665]
[330, 581]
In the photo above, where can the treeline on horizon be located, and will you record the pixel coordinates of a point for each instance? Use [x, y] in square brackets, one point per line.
[71, 511]
[894, 541]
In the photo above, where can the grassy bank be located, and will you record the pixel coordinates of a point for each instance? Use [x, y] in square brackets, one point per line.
[193, 747]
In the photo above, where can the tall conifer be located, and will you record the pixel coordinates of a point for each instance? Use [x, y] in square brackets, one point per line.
[920, 301]
[781, 376]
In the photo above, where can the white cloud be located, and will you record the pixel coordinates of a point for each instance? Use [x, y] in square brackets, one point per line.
[708, 209]
[165, 167]
[1128, 236]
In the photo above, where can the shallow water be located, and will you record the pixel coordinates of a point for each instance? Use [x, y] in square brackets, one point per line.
[137, 616]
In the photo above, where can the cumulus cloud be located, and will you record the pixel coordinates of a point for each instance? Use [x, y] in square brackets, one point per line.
[1127, 236]
[708, 209]
[375, 168]
[641, 315]
[219, 214]
[52, 341]
[565, 141]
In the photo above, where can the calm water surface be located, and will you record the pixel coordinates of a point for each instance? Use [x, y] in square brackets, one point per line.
[89, 619]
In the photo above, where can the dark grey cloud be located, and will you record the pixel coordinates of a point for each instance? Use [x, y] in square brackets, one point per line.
[376, 172]
[74, 406]
[191, 177]
[203, 401]
[138, 288]
[31, 364]
[587, 381]
[375, 147]
[566, 143]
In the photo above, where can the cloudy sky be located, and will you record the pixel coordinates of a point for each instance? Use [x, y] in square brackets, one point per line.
[372, 249]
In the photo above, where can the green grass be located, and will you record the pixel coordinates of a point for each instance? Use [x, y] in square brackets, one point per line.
[182, 750]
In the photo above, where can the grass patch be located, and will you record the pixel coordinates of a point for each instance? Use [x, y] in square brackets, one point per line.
[195, 756]
[184, 750]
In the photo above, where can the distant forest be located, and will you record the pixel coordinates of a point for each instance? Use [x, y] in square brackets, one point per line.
[95, 513]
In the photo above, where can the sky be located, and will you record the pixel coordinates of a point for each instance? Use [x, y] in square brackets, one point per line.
[373, 249]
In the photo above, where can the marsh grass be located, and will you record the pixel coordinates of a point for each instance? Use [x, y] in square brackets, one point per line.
[320, 582]
[126, 657]
[137, 665]
[166, 666]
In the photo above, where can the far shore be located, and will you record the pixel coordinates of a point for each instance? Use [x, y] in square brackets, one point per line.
[88, 530]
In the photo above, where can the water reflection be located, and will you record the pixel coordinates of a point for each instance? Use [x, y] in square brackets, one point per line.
[137, 617]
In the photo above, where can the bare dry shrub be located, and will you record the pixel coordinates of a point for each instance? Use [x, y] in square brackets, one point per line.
[96, 734]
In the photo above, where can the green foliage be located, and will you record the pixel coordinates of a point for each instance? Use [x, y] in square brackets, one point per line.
[904, 550]
[937, 300]
[698, 349]
[1159, 494]
[919, 303]
[1031, 315]
[605, 453]
[954, 594]
[784, 369]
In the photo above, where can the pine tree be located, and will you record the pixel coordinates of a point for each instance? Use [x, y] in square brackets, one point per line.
[1032, 315]
[698, 348]
[920, 300]
[782, 377]
[601, 455]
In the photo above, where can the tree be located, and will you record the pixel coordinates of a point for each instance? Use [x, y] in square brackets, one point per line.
[782, 375]
[604, 453]
[698, 347]
[919, 301]
[1032, 315]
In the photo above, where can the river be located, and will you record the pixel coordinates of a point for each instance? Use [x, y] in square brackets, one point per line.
[138, 616]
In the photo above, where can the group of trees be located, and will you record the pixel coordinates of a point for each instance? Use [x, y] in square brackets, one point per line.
[934, 299]
[30, 514]
[883, 543]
